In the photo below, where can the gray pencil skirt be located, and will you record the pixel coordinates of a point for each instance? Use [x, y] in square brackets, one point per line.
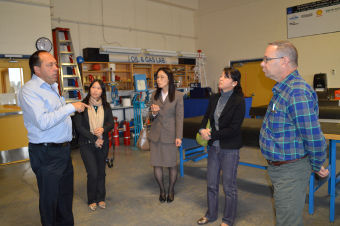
[163, 154]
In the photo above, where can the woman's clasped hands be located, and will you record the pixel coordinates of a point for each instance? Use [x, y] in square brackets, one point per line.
[99, 133]
[205, 134]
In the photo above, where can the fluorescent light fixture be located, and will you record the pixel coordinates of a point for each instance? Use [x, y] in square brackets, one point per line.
[190, 55]
[156, 52]
[13, 56]
[118, 49]
[12, 60]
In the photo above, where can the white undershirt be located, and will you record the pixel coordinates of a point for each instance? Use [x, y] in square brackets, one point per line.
[164, 95]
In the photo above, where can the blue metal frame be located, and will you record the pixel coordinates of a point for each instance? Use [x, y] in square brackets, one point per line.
[140, 77]
[332, 181]
[194, 153]
[253, 165]
[138, 105]
[114, 93]
[186, 154]
[191, 151]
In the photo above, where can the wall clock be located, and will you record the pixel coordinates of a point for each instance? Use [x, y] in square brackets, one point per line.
[43, 43]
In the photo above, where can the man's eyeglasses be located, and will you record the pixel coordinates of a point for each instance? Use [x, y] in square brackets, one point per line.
[266, 59]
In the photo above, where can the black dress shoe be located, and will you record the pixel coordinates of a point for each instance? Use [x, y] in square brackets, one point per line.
[109, 162]
[162, 197]
[203, 220]
[171, 197]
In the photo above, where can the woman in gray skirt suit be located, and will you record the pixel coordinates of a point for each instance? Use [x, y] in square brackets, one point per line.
[166, 131]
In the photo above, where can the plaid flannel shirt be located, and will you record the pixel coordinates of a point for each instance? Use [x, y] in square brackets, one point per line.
[290, 128]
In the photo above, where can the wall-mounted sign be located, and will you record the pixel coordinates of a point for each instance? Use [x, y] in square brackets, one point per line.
[313, 18]
[147, 59]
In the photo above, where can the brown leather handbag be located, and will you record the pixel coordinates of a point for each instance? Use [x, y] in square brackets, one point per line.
[143, 140]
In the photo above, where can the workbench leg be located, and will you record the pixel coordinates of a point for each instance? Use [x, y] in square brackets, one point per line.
[181, 160]
[330, 164]
[311, 194]
[332, 144]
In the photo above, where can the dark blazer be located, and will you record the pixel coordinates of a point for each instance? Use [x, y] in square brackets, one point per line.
[229, 123]
[82, 126]
[168, 124]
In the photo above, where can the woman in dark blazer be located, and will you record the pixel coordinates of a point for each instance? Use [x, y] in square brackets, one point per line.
[93, 126]
[226, 113]
[167, 113]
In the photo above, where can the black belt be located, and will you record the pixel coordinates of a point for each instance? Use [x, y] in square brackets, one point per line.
[279, 163]
[53, 144]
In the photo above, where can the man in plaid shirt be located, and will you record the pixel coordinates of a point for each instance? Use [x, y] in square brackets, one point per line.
[291, 138]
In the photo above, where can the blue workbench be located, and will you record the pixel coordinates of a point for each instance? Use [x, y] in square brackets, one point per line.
[332, 179]
[251, 129]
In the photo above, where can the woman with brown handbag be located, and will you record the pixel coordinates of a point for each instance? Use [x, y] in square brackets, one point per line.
[166, 132]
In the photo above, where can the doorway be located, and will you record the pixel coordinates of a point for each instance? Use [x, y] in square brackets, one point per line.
[254, 83]
[13, 75]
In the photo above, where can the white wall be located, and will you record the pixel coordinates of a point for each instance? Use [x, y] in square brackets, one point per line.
[225, 29]
[156, 24]
[238, 30]
[21, 24]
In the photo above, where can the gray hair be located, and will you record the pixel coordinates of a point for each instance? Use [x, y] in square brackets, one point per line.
[286, 48]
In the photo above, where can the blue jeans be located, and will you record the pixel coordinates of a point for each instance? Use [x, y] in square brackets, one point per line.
[290, 183]
[226, 160]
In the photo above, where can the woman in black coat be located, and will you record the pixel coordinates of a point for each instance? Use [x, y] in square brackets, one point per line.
[226, 113]
[93, 126]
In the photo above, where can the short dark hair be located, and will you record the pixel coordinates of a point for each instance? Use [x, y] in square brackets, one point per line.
[172, 88]
[35, 60]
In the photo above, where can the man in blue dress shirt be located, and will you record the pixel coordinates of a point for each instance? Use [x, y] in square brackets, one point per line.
[48, 122]
[291, 138]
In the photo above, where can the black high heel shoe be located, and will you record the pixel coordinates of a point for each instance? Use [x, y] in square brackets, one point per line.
[171, 197]
[109, 162]
[162, 197]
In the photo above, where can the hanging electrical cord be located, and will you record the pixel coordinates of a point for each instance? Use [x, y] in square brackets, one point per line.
[103, 27]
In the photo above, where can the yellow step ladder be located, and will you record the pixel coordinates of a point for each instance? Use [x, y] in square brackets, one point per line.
[70, 83]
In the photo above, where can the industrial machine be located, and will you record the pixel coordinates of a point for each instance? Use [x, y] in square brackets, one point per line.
[140, 102]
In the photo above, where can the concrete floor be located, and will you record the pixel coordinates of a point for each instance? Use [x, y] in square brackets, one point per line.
[132, 195]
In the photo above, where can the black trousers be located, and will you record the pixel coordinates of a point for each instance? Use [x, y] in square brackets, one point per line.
[53, 168]
[94, 161]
